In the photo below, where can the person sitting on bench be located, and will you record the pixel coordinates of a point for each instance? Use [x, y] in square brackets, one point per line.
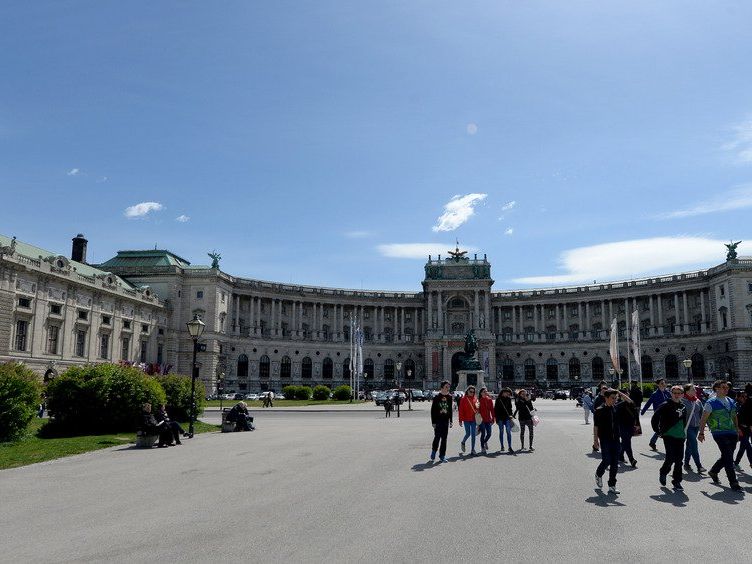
[239, 415]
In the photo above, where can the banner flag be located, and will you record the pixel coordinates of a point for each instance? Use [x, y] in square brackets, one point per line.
[614, 348]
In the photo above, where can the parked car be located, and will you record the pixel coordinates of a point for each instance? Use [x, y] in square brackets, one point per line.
[252, 397]
[561, 394]
[417, 395]
[228, 396]
[279, 396]
[380, 398]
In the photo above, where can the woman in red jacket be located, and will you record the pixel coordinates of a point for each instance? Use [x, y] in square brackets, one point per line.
[488, 416]
[468, 408]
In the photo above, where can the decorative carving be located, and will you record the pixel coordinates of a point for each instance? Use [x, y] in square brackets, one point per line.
[216, 257]
[10, 249]
[731, 255]
[456, 254]
[470, 358]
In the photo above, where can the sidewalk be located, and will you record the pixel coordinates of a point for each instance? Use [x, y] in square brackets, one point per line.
[358, 407]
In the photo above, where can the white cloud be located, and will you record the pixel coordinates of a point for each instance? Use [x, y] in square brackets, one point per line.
[74, 172]
[142, 209]
[357, 234]
[736, 199]
[417, 250]
[102, 179]
[457, 211]
[638, 257]
[509, 231]
[472, 128]
[508, 206]
[182, 218]
[741, 144]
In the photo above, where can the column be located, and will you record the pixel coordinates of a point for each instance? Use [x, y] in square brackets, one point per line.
[564, 318]
[535, 319]
[428, 318]
[659, 307]
[676, 311]
[686, 312]
[514, 322]
[580, 324]
[586, 321]
[415, 321]
[610, 311]
[477, 310]
[440, 323]
[402, 323]
[702, 310]
[489, 324]
[558, 319]
[237, 315]
[251, 316]
[603, 315]
[652, 317]
[293, 319]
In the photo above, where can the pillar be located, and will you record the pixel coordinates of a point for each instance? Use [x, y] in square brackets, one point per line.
[686, 312]
[702, 310]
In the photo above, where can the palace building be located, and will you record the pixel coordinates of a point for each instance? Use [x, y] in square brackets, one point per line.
[57, 311]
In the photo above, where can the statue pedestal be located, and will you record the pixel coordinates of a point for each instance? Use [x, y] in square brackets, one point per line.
[467, 378]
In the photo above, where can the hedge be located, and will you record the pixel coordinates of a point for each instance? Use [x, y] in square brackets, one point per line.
[100, 398]
[177, 390]
[321, 392]
[303, 392]
[19, 399]
[343, 392]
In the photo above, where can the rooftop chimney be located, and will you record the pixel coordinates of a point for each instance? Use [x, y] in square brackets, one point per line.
[79, 248]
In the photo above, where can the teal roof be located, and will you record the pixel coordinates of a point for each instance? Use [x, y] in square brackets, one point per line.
[37, 252]
[145, 259]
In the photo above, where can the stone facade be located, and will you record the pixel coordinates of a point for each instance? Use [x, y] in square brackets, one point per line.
[265, 335]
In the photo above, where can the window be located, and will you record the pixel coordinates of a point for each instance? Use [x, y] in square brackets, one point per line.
[53, 333]
[285, 367]
[80, 343]
[83, 315]
[368, 368]
[307, 368]
[200, 295]
[749, 286]
[507, 369]
[142, 355]
[388, 369]
[598, 368]
[346, 369]
[126, 344]
[409, 369]
[126, 324]
[144, 328]
[574, 368]
[552, 369]
[264, 367]
[723, 290]
[160, 331]
[22, 330]
[106, 319]
[242, 366]
[328, 369]
[529, 369]
[104, 345]
[646, 366]
[223, 297]
[55, 309]
[24, 303]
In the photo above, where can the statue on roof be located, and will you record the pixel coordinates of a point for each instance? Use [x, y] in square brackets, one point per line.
[731, 255]
[216, 257]
[10, 249]
[456, 254]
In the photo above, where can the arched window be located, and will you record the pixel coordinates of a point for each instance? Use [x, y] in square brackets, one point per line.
[552, 369]
[409, 369]
[507, 369]
[388, 369]
[598, 368]
[672, 367]
[368, 368]
[574, 369]
[328, 369]
[306, 367]
[346, 370]
[242, 366]
[698, 366]
[529, 369]
[264, 367]
[325, 330]
[285, 367]
[646, 364]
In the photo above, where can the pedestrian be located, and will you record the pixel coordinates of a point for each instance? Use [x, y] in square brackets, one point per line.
[670, 422]
[388, 407]
[744, 418]
[488, 418]
[719, 414]
[626, 414]
[172, 428]
[467, 417]
[694, 414]
[441, 419]
[240, 416]
[523, 410]
[271, 399]
[606, 438]
[587, 405]
[503, 412]
[656, 399]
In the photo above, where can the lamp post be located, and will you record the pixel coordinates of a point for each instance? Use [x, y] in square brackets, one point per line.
[611, 374]
[220, 388]
[399, 387]
[195, 328]
[410, 394]
[687, 362]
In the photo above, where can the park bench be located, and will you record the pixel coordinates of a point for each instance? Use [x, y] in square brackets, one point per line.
[144, 440]
[227, 426]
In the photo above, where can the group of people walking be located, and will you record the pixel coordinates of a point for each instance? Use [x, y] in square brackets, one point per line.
[679, 419]
[477, 414]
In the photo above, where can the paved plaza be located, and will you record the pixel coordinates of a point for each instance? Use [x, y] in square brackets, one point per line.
[352, 486]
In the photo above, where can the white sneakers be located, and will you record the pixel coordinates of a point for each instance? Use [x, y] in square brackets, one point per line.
[599, 481]
[613, 490]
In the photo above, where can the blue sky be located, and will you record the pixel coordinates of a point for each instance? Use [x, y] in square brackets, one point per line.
[335, 143]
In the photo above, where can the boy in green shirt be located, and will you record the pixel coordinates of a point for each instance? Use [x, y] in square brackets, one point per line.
[670, 420]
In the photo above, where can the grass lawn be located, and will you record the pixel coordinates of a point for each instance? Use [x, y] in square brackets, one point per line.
[32, 448]
[284, 403]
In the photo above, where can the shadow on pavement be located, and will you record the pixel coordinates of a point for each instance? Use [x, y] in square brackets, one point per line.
[656, 456]
[677, 499]
[604, 500]
[691, 476]
[726, 495]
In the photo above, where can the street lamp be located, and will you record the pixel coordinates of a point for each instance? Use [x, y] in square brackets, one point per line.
[195, 328]
[410, 395]
[399, 387]
[687, 362]
[611, 373]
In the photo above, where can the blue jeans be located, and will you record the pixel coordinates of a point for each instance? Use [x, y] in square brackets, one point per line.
[485, 433]
[508, 426]
[470, 432]
[726, 444]
[691, 449]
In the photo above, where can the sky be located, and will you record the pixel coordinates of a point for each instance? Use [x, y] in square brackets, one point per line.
[340, 143]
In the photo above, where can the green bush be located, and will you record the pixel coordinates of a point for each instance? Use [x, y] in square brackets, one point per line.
[290, 392]
[19, 399]
[100, 398]
[177, 389]
[342, 392]
[321, 392]
[303, 392]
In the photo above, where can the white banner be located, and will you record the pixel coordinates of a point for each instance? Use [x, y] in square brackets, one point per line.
[636, 341]
[614, 347]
